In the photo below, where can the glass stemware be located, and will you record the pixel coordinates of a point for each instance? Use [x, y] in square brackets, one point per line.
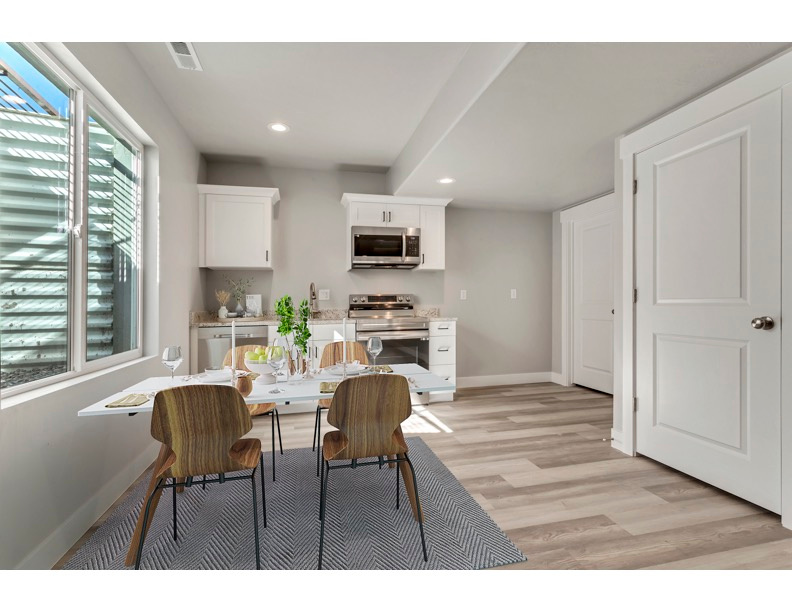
[374, 347]
[172, 358]
[276, 359]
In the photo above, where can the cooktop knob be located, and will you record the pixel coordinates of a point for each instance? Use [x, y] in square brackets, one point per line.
[407, 298]
[401, 299]
[354, 300]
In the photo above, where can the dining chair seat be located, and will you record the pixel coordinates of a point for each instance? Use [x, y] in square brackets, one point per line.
[246, 452]
[335, 446]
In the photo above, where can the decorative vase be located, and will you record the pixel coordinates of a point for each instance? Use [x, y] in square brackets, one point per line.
[240, 310]
[222, 312]
[244, 385]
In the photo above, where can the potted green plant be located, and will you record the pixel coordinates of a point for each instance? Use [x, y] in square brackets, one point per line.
[238, 289]
[293, 328]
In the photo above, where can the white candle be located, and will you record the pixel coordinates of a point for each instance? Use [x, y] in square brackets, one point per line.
[233, 349]
[343, 323]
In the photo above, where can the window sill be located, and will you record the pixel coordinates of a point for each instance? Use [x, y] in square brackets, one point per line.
[61, 385]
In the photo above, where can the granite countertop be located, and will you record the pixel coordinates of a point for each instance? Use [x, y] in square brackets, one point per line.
[330, 317]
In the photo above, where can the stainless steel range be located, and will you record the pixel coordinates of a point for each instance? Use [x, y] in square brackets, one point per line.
[405, 336]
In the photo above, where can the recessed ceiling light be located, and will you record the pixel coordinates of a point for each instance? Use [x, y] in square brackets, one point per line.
[278, 127]
[14, 99]
[446, 181]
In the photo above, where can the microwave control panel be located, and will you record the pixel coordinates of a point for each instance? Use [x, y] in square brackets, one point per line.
[413, 247]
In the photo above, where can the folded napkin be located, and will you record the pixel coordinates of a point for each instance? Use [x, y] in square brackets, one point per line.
[382, 369]
[133, 399]
[328, 386]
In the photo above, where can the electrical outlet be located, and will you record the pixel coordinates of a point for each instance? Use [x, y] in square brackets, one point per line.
[324, 295]
[463, 294]
[514, 294]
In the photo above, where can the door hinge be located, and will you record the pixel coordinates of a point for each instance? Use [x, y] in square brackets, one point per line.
[635, 186]
[635, 296]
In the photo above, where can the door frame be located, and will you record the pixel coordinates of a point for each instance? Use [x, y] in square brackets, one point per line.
[595, 207]
[773, 75]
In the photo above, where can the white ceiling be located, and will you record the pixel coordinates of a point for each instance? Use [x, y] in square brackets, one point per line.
[542, 135]
[348, 104]
[539, 136]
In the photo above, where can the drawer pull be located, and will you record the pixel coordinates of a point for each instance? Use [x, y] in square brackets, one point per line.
[444, 327]
[444, 349]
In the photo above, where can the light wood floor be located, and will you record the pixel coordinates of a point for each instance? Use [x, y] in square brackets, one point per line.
[536, 459]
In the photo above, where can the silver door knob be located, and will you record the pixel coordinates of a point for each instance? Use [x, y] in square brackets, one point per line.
[765, 323]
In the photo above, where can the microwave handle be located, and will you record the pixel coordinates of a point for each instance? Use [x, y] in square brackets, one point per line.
[404, 246]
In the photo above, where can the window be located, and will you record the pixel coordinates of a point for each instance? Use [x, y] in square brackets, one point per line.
[70, 227]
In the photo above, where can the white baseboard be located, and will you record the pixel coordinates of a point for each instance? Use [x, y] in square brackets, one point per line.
[555, 377]
[495, 380]
[56, 544]
[616, 440]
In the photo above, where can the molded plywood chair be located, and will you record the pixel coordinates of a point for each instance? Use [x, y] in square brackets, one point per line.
[368, 412]
[257, 409]
[332, 354]
[202, 427]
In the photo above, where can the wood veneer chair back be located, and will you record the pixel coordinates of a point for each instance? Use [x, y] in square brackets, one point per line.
[334, 352]
[200, 424]
[368, 410]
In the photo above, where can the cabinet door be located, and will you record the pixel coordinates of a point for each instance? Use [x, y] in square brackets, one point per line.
[432, 238]
[403, 215]
[368, 214]
[238, 232]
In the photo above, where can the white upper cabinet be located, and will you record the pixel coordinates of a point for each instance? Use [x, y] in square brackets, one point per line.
[235, 227]
[432, 238]
[427, 214]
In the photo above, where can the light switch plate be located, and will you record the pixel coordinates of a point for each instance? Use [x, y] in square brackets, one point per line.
[514, 294]
[463, 294]
[324, 295]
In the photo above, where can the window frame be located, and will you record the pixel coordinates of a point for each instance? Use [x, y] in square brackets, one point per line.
[83, 102]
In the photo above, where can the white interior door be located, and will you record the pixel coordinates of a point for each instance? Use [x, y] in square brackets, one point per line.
[592, 304]
[708, 262]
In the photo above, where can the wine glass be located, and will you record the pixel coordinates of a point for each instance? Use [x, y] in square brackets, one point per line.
[374, 347]
[172, 358]
[276, 359]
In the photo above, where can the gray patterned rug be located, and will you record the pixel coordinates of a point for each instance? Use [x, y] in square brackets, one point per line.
[364, 530]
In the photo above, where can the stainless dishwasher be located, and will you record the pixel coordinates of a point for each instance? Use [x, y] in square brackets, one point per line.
[215, 342]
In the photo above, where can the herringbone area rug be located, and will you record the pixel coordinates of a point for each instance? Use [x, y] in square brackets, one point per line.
[364, 530]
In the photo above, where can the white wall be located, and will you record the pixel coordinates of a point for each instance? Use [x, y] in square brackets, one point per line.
[60, 472]
[487, 252]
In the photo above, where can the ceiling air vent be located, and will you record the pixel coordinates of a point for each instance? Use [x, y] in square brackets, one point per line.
[184, 55]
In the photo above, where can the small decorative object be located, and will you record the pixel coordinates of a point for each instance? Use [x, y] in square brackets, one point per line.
[244, 384]
[238, 289]
[222, 297]
[253, 304]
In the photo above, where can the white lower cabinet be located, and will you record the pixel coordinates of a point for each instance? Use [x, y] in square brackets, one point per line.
[324, 334]
[442, 356]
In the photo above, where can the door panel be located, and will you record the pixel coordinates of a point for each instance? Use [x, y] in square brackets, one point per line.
[708, 260]
[404, 215]
[592, 320]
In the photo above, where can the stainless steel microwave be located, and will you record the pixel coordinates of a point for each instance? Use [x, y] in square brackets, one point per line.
[386, 247]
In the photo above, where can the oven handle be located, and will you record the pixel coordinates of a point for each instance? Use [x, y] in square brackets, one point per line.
[385, 335]
[229, 335]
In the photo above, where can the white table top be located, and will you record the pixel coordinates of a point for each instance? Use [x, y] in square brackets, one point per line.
[421, 381]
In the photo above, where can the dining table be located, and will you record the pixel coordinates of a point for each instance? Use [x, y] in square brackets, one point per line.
[296, 389]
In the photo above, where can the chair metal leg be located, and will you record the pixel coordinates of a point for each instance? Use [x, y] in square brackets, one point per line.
[315, 440]
[318, 440]
[321, 492]
[145, 524]
[272, 419]
[398, 478]
[203, 484]
[418, 505]
[323, 505]
[174, 509]
[255, 518]
[280, 440]
[263, 492]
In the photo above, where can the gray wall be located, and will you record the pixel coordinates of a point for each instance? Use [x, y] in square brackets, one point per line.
[61, 472]
[557, 292]
[487, 252]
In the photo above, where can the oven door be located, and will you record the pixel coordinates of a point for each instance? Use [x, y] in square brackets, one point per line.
[385, 247]
[400, 346]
